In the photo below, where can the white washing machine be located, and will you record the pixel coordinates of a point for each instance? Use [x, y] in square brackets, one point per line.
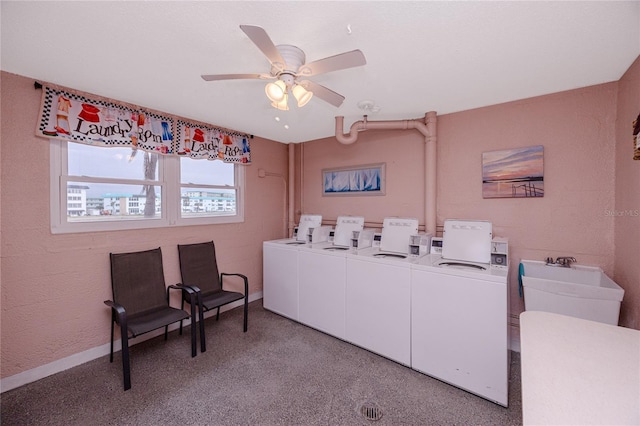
[322, 279]
[280, 269]
[280, 277]
[459, 313]
[378, 293]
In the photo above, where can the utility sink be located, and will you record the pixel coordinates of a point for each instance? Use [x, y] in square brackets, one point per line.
[579, 291]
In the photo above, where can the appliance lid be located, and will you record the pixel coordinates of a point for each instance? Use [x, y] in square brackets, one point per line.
[467, 240]
[307, 221]
[345, 225]
[396, 234]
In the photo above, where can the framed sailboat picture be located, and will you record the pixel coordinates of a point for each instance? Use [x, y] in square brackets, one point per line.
[513, 173]
[357, 180]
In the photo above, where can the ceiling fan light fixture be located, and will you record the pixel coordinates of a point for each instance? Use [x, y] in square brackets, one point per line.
[288, 63]
[276, 91]
[283, 104]
[302, 95]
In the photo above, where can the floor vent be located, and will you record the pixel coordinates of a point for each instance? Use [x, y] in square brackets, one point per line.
[371, 411]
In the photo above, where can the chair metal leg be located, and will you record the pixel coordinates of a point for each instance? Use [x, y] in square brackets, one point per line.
[166, 332]
[182, 308]
[117, 311]
[111, 348]
[126, 370]
[218, 314]
[246, 311]
[246, 300]
[194, 348]
[203, 344]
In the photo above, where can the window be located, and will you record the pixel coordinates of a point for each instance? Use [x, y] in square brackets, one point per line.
[206, 189]
[99, 189]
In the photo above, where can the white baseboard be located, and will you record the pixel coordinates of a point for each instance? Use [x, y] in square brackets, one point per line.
[79, 358]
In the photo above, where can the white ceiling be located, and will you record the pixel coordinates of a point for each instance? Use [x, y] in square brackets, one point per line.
[421, 56]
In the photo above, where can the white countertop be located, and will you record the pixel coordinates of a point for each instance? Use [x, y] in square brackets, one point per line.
[578, 372]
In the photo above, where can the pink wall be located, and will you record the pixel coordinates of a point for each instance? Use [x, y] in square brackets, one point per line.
[627, 208]
[588, 171]
[403, 154]
[577, 129]
[53, 286]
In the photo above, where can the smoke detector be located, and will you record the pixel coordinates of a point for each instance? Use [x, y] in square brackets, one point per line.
[368, 107]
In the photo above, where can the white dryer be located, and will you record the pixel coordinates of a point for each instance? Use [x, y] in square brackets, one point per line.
[280, 269]
[280, 277]
[322, 279]
[378, 293]
[459, 312]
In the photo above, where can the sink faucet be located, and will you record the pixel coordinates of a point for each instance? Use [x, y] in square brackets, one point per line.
[564, 261]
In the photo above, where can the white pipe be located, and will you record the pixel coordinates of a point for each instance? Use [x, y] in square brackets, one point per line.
[364, 124]
[430, 190]
[291, 198]
[428, 130]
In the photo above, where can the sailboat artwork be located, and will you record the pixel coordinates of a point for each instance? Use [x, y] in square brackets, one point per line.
[360, 180]
[513, 173]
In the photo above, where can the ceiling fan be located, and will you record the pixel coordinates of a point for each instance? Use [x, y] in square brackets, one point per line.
[290, 71]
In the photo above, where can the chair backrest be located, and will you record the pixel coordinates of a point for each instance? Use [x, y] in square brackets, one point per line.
[198, 266]
[137, 281]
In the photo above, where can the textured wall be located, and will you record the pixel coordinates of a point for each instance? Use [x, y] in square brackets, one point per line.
[403, 154]
[627, 209]
[53, 285]
[577, 130]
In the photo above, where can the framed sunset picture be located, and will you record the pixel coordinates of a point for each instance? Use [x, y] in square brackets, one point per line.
[513, 173]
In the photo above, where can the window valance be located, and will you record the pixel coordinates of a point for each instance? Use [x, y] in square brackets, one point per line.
[85, 118]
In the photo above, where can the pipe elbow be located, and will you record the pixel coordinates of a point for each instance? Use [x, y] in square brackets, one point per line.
[351, 137]
[419, 126]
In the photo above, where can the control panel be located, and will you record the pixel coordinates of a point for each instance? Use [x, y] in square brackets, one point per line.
[500, 253]
[436, 245]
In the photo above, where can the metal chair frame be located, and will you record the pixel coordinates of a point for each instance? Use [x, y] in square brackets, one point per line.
[151, 320]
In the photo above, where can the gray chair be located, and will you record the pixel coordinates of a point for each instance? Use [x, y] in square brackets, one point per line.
[141, 301]
[199, 270]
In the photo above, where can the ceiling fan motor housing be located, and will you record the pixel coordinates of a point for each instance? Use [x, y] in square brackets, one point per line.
[293, 57]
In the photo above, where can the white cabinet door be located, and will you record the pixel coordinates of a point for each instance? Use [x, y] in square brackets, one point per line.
[280, 279]
[378, 308]
[322, 279]
[459, 332]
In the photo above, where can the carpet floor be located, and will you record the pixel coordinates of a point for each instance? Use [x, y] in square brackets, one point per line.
[278, 373]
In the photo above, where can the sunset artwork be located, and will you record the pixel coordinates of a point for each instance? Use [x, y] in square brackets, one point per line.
[513, 173]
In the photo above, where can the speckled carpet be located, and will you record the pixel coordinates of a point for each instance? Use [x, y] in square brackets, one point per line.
[278, 373]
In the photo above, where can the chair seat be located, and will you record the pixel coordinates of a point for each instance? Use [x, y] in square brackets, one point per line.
[152, 320]
[220, 298]
[199, 271]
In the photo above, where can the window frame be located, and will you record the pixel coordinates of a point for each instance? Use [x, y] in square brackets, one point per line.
[170, 187]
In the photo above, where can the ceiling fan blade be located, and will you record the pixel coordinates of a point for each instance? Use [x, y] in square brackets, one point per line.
[355, 58]
[323, 93]
[261, 39]
[215, 77]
